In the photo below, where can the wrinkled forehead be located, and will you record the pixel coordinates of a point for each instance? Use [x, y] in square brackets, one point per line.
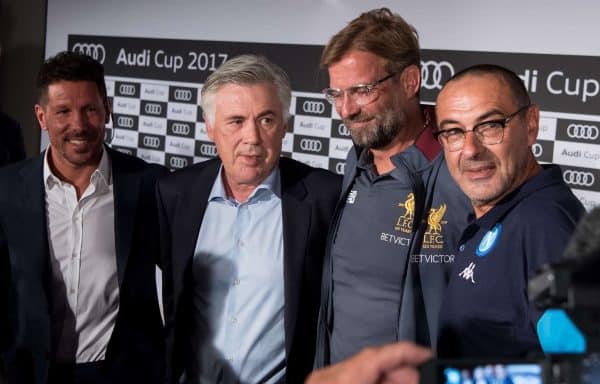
[484, 90]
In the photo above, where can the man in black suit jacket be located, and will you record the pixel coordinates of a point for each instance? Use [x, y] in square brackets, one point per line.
[77, 245]
[12, 148]
[217, 263]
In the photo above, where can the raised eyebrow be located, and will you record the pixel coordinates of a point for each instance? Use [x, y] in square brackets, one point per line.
[266, 113]
[487, 115]
[448, 122]
[480, 119]
[234, 117]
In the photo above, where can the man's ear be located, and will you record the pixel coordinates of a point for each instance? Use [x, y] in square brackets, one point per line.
[533, 123]
[411, 80]
[40, 114]
[108, 111]
[210, 130]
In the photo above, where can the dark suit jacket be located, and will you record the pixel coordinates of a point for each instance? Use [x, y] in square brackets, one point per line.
[12, 148]
[136, 348]
[309, 196]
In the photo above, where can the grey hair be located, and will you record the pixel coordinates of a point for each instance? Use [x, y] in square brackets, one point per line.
[245, 70]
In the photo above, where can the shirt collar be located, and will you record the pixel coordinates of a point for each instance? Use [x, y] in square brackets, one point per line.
[102, 176]
[272, 184]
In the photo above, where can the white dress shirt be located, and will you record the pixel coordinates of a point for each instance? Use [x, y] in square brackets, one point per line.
[85, 292]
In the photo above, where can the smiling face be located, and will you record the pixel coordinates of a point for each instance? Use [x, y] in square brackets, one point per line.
[74, 114]
[487, 173]
[377, 123]
[248, 130]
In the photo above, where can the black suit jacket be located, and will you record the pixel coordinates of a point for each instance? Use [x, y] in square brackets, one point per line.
[12, 148]
[136, 349]
[309, 196]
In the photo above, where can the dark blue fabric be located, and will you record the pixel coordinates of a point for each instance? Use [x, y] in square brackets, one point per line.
[486, 311]
[12, 147]
[136, 348]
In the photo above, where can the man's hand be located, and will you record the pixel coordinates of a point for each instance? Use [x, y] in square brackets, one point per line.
[392, 363]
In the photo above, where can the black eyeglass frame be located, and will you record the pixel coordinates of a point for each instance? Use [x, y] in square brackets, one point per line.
[368, 87]
[501, 122]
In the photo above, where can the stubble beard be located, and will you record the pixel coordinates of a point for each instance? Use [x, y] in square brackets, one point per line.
[385, 128]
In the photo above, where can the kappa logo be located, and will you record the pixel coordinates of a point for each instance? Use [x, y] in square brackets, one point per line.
[125, 122]
[153, 109]
[583, 131]
[537, 150]
[311, 145]
[343, 130]
[151, 142]
[468, 273]
[127, 89]
[580, 178]
[182, 95]
[433, 237]
[489, 241]
[96, 51]
[180, 129]
[315, 107]
[405, 222]
[208, 150]
[178, 162]
[434, 73]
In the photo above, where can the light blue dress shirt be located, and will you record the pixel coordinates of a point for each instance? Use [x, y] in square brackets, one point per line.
[239, 334]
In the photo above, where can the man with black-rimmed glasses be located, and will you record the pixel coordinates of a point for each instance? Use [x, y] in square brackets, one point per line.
[395, 230]
[524, 214]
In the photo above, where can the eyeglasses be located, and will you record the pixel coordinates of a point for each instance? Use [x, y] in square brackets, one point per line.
[361, 94]
[489, 132]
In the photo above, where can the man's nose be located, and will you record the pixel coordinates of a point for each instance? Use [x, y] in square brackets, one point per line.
[346, 106]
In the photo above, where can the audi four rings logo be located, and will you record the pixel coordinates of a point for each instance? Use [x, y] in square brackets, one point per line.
[125, 122]
[537, 149]
[343, 130]
[583, 131]
[584, 179]
[96, 51]
[313, 106]
[180, 129]
[183, 95]
[340, 168]
[433, 73]
[127, 89]
[152, 142]
[311, 145]
[153, 109]
[178, 162]
[208, 150]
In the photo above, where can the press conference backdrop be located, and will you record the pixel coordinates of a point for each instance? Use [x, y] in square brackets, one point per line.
[154, 79]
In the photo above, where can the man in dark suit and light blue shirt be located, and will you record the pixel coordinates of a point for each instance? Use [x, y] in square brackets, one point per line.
[243, 238]
[77, 245]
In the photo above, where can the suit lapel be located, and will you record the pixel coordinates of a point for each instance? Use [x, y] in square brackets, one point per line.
[296, 221]
[126, 187]
[192, 203]
[32, 212]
